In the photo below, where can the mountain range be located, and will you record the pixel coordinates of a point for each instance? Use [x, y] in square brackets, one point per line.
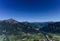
[11, 26]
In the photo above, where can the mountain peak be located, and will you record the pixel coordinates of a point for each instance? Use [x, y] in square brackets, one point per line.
[10, 20]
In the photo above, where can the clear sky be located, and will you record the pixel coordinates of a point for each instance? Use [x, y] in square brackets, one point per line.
[30, 10]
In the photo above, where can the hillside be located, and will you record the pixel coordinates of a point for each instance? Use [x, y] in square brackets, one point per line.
[13, 30]
[12, 26]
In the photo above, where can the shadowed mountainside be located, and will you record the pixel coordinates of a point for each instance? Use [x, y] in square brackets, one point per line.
[53, 27]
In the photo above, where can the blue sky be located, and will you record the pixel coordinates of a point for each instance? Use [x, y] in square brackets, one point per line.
[30, 10]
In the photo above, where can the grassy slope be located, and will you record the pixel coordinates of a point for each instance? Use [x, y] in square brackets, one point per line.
[55, 36]
[27, 38]
[21, 38]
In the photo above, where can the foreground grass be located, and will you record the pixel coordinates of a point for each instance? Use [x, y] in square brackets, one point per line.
[26, 38]
[30, 37]
[55, 36]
